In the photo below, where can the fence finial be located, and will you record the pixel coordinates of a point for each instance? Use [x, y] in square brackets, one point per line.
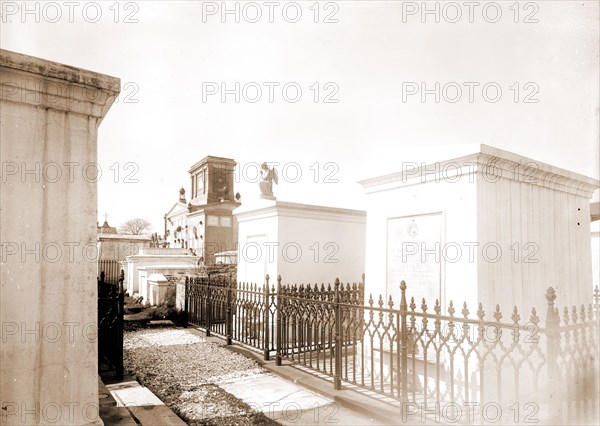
[534, 318]
[515, 317]
[337, 282]
[550, 295]
[465, 311]
[403, 304]
[480, 312]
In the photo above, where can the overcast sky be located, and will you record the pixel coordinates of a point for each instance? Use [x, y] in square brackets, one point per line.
[371, 57]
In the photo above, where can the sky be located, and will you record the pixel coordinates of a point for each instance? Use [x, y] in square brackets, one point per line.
[333, 92]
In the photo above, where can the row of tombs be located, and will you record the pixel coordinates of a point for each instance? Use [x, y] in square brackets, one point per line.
[497, 231]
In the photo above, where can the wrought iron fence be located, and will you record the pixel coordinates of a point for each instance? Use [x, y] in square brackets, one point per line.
[243, 312]
[313, 322]
[417, 354]
[110, 324]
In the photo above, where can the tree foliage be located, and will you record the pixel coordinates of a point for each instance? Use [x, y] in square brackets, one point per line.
[135, 226]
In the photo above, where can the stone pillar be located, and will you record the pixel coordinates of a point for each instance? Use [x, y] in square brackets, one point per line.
[180, 295]
[49, 116]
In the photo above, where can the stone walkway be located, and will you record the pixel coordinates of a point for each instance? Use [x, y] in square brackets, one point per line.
[290, 404]
[207, 383]
[142, 405]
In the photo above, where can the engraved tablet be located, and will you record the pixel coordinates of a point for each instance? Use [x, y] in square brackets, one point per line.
[413, 255]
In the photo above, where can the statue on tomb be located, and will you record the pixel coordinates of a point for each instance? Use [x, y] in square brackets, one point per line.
[268, 176]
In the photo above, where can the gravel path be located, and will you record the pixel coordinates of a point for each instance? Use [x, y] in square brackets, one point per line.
[183, 370]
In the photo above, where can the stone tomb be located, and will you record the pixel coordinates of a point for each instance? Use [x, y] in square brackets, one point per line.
[143, 271]
[302, 243]
[49, 115]
[489, 226]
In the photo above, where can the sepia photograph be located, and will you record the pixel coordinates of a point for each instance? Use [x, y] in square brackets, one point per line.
[309, 212]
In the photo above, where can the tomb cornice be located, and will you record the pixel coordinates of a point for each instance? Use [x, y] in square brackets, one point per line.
[494, 168]
[45, 84]
[490, 165]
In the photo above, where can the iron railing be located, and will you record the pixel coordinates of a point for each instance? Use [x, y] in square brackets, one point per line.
[417, 355]
[110, 324]
[243, 312]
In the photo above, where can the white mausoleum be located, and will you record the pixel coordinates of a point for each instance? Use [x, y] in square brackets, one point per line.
[302, 243]
[489, 226]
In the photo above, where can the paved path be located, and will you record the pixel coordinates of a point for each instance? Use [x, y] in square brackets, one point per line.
[283, 394]
[290, 404]
[142, 405]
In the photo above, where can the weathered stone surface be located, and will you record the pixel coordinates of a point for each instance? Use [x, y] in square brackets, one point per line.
[49, 120]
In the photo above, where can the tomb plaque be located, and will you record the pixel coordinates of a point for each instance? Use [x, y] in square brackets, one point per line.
[413, 255]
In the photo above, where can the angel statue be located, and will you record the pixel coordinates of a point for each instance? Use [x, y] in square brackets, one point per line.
[268, 176]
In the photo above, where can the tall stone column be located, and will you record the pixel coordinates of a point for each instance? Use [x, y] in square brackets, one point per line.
[49, 116]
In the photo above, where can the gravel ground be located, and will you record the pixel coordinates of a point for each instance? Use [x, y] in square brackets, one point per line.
[183, 370]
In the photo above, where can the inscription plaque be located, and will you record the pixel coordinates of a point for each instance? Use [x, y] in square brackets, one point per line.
[413, 255]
